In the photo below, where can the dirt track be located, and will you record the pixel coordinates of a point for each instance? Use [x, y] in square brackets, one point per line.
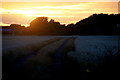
[47, 53]
[36, 59]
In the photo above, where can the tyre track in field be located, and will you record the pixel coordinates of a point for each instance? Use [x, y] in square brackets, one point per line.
[45, 55]
[60, 57]
[50, 56]
[22, 61]
[50, 59]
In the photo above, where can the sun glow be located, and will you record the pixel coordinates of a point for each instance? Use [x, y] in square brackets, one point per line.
[29, 12]
[25, 12]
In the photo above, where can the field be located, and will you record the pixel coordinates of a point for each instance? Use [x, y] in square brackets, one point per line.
[61, 57]
[11, 42]
[92, 48]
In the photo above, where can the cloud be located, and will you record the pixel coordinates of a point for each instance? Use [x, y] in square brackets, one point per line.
[15, 19]
[63, 12]
[69, 7]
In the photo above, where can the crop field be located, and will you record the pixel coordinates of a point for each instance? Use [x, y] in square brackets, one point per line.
[60, 57]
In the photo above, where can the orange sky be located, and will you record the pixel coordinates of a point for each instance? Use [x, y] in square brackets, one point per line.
[61, 0]
[64, 12]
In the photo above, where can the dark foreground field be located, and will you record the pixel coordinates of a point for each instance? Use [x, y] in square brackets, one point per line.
[49, 60]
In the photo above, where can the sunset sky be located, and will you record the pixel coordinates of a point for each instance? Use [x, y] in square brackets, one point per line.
[64, 12]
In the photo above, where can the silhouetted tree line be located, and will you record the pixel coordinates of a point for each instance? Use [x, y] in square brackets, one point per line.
[13, 29]
[96, 24]
[99, 24]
